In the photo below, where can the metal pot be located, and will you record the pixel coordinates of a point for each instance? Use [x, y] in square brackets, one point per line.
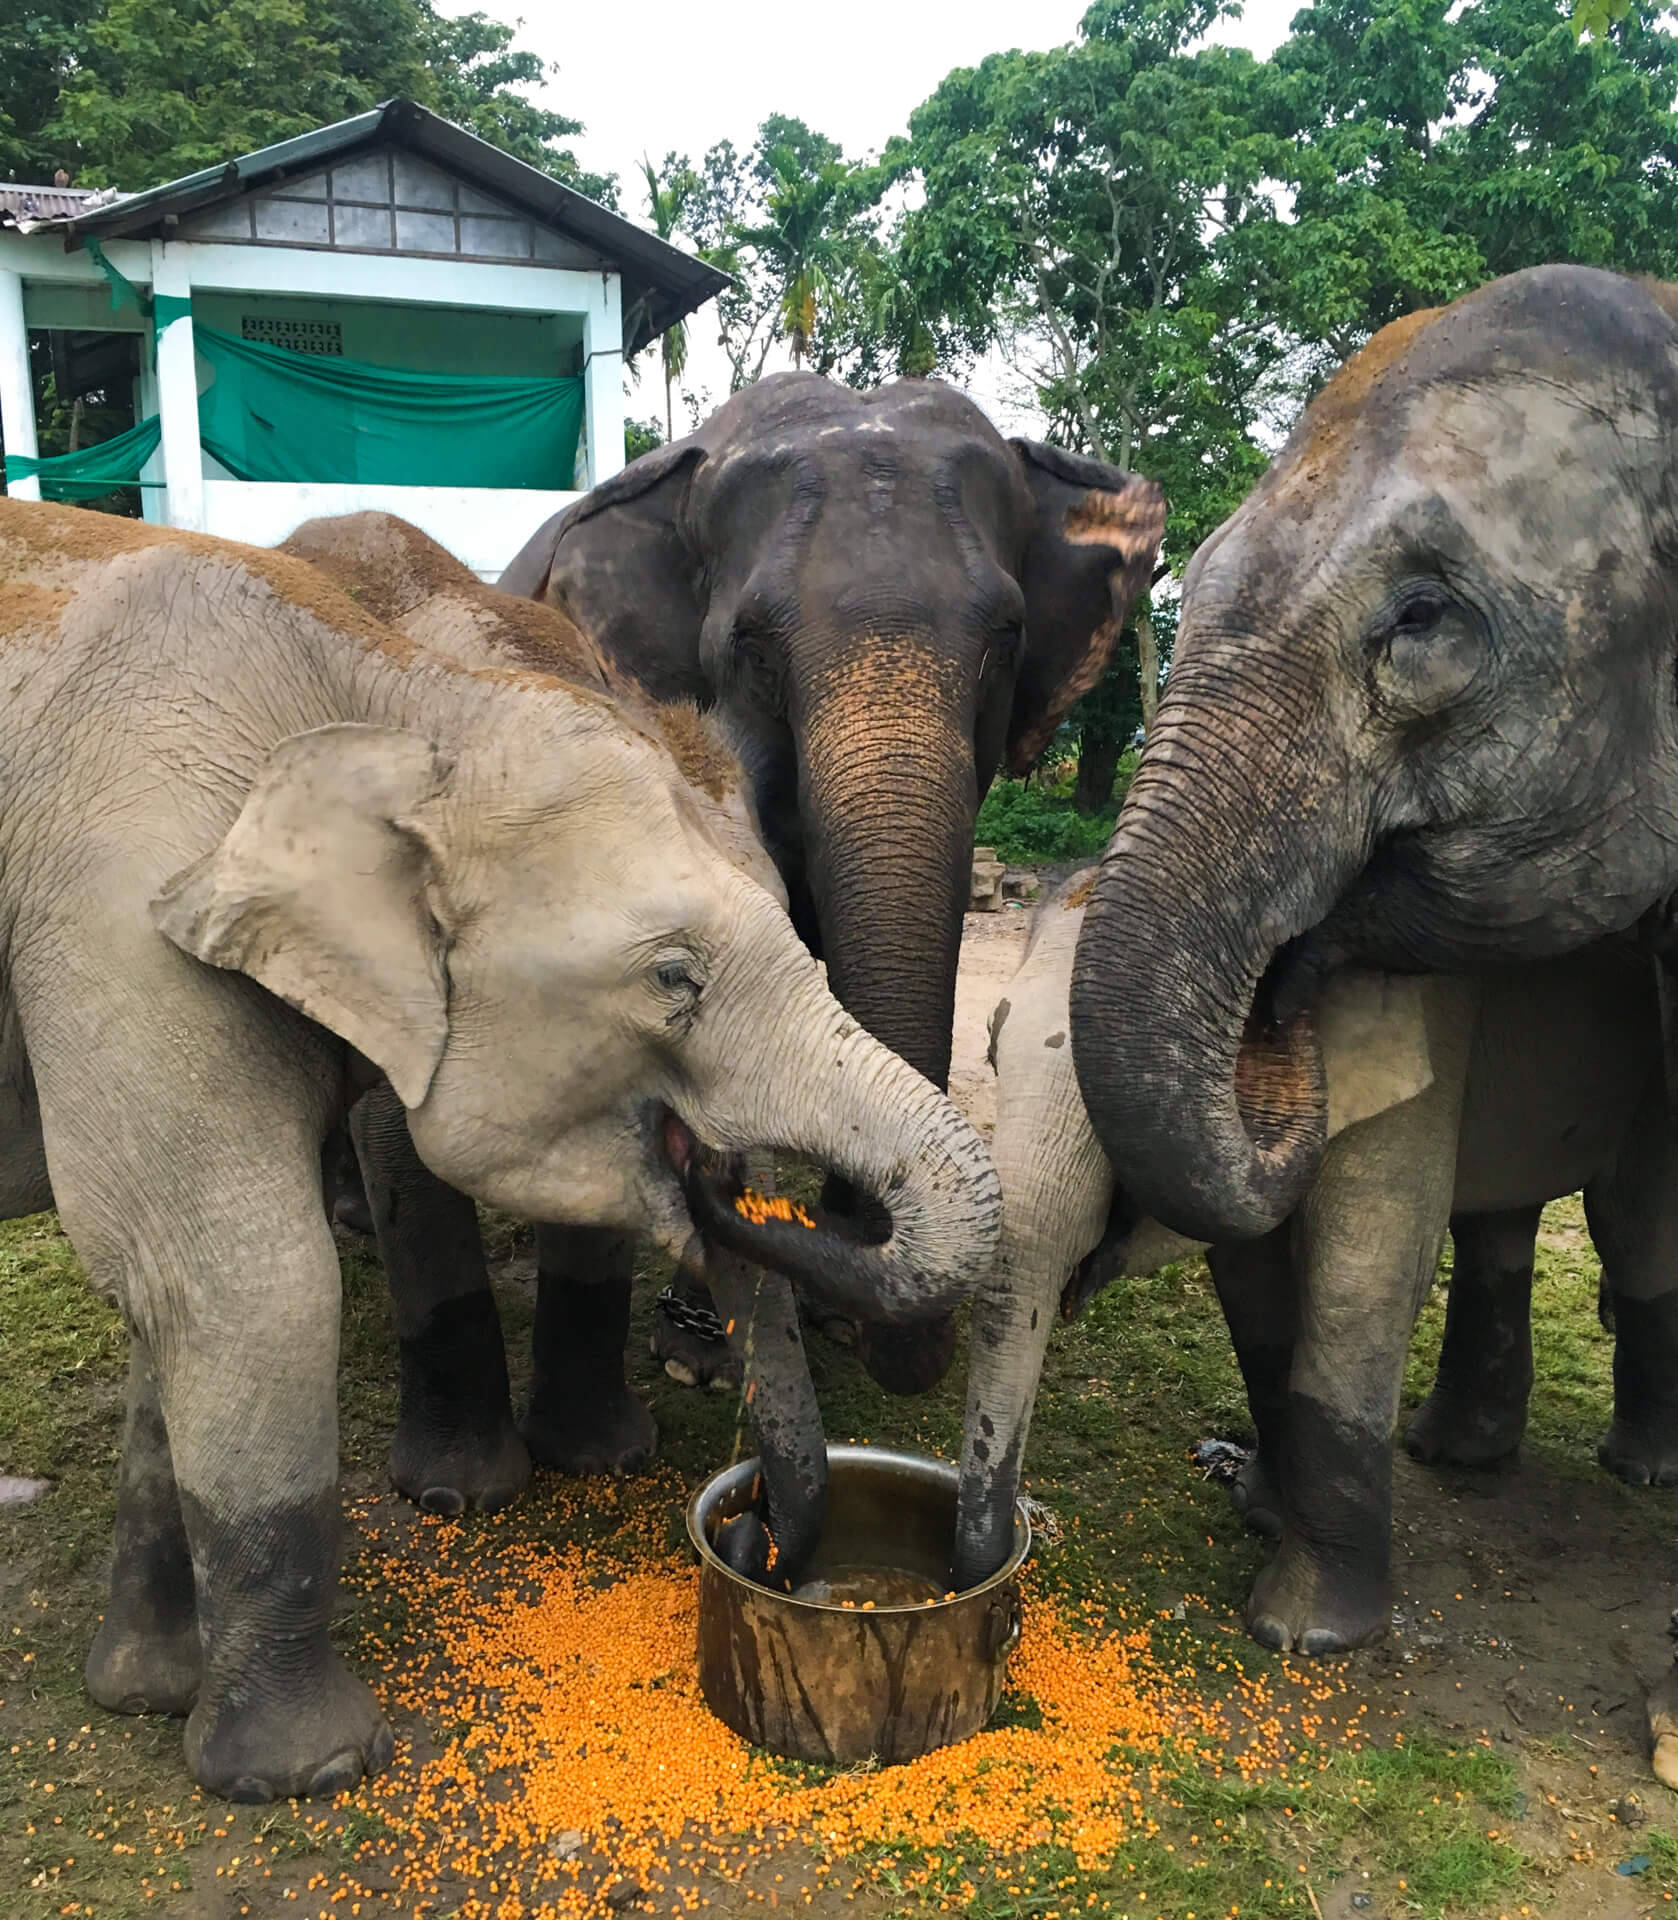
[808, 1677]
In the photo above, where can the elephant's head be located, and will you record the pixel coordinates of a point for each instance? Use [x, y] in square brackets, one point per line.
[538, 937]
[888, 601]
[1420, 716]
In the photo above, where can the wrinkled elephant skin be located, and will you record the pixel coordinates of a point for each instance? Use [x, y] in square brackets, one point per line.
[256, 846]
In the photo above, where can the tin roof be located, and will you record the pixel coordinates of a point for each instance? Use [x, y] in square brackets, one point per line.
[661, 283]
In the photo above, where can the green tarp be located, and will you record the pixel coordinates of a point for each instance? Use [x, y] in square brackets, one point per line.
[92, 471]
[271, 414]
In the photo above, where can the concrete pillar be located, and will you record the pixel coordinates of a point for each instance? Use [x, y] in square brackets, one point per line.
[177, 391]
[17, 394]
[603, 381]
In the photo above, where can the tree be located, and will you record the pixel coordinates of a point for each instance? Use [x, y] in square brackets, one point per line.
[668, 192]
[134, 92]
[790, 222]
[1085, 208]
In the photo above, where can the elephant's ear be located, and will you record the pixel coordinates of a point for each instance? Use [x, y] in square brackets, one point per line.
[1094, 533]
[322, 892]
[618, 563]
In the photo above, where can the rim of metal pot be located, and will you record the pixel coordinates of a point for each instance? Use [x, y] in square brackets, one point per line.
[921, 1463]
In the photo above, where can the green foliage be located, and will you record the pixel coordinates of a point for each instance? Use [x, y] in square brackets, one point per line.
[135, 92]
[639, 437]
[1031, 823]
[791, 221]
[1175, 243]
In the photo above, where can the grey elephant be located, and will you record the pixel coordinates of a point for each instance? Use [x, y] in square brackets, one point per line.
[1475, 1102]
[257, 849]
[1420, 716]
[400, 575]
[884, 601]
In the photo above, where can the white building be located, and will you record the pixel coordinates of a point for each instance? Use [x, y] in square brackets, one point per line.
[391, 245]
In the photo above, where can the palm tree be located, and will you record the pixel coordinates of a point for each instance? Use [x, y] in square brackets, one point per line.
[667, 201]
[801, 241]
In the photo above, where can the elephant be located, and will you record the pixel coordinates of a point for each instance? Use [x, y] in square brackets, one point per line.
[883, 601]
[1563, 1088]
[1419, 718]
[257, 851]
[402, 577]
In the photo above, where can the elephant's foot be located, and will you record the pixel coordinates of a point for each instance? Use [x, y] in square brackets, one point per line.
[312, 1733]
[1299, 1605]
[1255, 1495]
[607, 1432]
[447, 1473]
[134, 1670]
[1465, 1429]
[456, 1445]
[1643, 1453]
[472, 1463]
[1663, 1729]
[692, 1342]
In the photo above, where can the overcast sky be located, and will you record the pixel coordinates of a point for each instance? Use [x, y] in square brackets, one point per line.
[655, 76]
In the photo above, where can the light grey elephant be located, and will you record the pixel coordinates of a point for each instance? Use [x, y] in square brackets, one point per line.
[1448, 1101]
[429, 1240]
[257, 850]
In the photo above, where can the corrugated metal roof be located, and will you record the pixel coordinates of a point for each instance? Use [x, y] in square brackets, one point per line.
[661, 283]
[24, 206]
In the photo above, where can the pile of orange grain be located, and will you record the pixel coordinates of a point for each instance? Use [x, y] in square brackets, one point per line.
[571, 1768]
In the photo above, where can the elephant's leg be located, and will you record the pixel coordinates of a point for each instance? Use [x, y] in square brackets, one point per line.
[688, 1337]
[1633, 1216]
[146, 1655]
[183, 1134]
[1258, 1293]
[583, 1417]
[1367, 1238]
[455, 1445]
[1477, 1411]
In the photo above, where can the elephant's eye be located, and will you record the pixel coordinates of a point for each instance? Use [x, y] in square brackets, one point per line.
[1420, 612]
[676, 976]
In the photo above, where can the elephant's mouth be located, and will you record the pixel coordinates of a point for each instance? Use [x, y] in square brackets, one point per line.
[789, 1237]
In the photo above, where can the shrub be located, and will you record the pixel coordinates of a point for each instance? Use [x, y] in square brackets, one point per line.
[1031, 823]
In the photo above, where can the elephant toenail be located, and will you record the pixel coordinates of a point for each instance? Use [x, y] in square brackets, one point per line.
[249, 1791]
[1320, 1640]
[1270, 1632]
[447, 1500]
[339, 1774]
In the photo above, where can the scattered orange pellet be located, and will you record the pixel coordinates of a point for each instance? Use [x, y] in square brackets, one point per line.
[574, 1760]
[760, 1208]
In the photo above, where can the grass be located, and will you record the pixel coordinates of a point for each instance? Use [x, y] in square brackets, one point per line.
[1432, 1823]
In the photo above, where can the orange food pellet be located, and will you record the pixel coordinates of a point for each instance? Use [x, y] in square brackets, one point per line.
[760, 1208]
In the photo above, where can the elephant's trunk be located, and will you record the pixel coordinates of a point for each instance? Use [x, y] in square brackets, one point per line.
[826, 1088]
[1230, 844]
[887, 789]
[1056, 1186]
[762, 1321]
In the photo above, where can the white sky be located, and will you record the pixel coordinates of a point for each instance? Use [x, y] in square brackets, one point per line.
[656, 76]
